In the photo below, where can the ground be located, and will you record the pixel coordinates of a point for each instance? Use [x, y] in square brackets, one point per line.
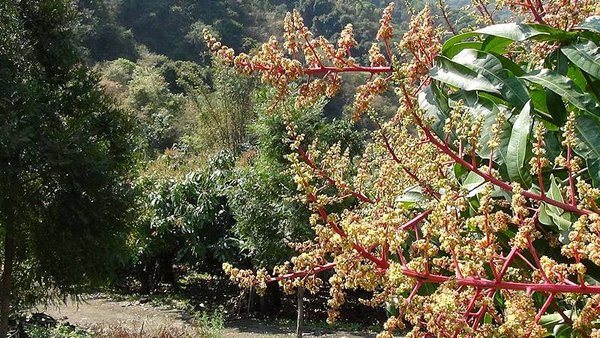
[101, 311]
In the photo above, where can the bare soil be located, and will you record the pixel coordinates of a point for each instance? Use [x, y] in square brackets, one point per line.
[138, 317]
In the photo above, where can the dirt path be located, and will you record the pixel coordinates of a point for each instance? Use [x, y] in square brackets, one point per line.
[134, 316]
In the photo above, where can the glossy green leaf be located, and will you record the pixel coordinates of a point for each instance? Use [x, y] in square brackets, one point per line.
[585, 56]
[495, 44]
[511, 31]
[409, 198]
[522, 32]
[556, 108]
[457, 75]
[575, 74]
[539, 98]
[554, 33]
[593, 166]
[557, 61]
[510, 65]
[559, 217]
[448, 44]
[555, 194]
[429, 103]
[474, 184]
[587, 129]
[590, 24]
[562, 331]
[543, 216]
[480, 107]
[550, 320]
[487, 65]
[516, 156]
[564, 87]
[458, 47]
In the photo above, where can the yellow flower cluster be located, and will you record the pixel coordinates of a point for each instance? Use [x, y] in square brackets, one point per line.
[247, 278]
[386, 30]
[519, 317]
[422, 44]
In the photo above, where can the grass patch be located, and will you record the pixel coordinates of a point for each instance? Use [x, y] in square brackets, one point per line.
[58, 331]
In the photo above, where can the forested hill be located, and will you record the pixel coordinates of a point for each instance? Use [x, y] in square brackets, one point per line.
[112, 29]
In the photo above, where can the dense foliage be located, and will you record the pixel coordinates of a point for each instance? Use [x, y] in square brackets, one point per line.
[65, 151]
[268, 217]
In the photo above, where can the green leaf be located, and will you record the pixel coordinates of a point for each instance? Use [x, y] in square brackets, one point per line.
[478, 106]
[410, 197]
[511, 31]
[593, 167]
[555, 33]
[555, 194]
[458, 47]
[449, 44]
[556, 108]
[487, 65]
[522, 32]
[510, 65]
[543, 216]
[591, 280]
[550, 320]
[590, 24]
[585, 56]
[587, 129]
[516, 156]
[564, 87]
[574, 73]
[557, 61]
[489, 115]
[559, 217]
[474, 184]
[433, 108]
[495, 44]
[539, 98]
[487, 319]
[562, 331]
[457, 75]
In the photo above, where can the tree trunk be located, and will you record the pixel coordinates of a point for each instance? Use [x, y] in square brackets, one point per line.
[7, 275]
[300, 319]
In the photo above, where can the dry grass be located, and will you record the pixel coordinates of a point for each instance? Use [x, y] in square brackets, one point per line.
[117, 331]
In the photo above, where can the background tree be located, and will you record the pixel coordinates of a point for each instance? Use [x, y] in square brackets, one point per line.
[262, 196]
[64, 152]
[102, 36]
[182, 218]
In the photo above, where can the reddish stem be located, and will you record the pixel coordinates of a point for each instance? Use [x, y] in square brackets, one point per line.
[544, 308]
[502, 285]
[533, 252]
[428, 189]
[497, 182]
[362, 69]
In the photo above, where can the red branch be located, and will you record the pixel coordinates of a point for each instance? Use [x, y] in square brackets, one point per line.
[497, 285]
[322, 70]
[360, 69]
[497, 182]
